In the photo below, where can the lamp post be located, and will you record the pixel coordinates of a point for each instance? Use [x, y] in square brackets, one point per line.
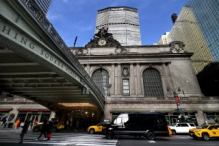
[175, 96]
[108, 87]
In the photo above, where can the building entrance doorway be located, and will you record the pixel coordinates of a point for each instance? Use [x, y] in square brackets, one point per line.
[34, 119]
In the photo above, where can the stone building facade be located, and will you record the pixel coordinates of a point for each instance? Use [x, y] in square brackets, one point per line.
[136, 79]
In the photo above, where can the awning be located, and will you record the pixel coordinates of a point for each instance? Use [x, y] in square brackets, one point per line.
[163, 110]
[33, 110]
[5, 110]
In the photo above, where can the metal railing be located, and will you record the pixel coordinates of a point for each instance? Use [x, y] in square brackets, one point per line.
[52, 33]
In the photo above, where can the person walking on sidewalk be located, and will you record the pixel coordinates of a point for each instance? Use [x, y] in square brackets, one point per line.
[17, 123]
[24, 130]
[43, 130]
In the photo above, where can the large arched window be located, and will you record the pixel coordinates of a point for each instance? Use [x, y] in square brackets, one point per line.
[152, 83]
[101, 79]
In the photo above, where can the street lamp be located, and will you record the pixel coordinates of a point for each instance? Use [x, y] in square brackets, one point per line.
[108, 87]
[175, 96]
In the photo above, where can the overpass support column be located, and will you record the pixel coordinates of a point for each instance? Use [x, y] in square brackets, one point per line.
[52, 115]
[200, 116]
[107, 114]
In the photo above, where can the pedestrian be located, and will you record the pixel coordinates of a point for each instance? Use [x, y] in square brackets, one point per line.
[36, 121]
[77, 126]
[67, 123]
[17, 123]
[43, 130]
[24, 130]
[70, 124]
[49, 129]
[3, 121]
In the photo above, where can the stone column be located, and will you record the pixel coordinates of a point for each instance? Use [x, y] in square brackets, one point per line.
[139, 91]
[135, 79]
[132, 80]
[107, 114]
[112, 81]
[116, 80]
[200, 117]
[164, 79]
[119, 79]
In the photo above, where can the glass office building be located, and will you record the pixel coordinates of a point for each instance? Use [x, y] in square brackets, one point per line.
[122, 22]
[43, 5]
[197, 26]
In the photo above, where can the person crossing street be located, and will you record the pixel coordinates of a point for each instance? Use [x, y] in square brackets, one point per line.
[49, 129]
[43, 130]
[24, 130]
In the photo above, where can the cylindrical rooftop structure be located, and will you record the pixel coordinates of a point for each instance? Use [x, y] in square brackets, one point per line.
[122, 22]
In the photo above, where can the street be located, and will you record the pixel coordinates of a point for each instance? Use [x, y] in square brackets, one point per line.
[10, 137]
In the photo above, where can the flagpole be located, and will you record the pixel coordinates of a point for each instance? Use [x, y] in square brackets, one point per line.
[75, 41]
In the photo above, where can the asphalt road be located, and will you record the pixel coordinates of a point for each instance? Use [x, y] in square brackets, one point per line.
[10, 137]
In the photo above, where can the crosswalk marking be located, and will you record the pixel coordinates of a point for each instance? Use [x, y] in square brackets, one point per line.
[151, 141]
[58, 139]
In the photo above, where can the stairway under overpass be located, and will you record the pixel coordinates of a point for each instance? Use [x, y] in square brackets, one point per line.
[36, 64]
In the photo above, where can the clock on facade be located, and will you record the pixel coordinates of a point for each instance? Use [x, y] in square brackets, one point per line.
[101, 42]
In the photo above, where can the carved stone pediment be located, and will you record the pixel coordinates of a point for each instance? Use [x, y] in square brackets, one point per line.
[105, 39]
[177, 47]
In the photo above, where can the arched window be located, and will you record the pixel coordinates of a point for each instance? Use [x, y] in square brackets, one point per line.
[101, 79]
[152, 83]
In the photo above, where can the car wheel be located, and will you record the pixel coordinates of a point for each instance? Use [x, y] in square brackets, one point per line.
[91, 131]
[36, 129]
[173, 132]
[205, 136]
[109, 135]
[150, 135]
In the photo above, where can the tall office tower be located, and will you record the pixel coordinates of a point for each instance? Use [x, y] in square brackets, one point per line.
[197, 26]
[43, 5]
[122, 22]
[164, 39]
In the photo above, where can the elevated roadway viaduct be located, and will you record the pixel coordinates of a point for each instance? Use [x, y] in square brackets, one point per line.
[35, 63]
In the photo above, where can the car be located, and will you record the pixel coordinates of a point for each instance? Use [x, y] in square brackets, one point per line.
[205, 132]
[96, 128]
[182, 128]
[139, 124]
[198, 127]
[57, 126]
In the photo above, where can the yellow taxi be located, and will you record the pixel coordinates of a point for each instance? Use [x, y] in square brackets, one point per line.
[169, 130]
[96, 128]
[205, 132]
[57, 126]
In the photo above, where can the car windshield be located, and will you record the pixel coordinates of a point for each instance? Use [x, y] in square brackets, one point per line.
[202, 127]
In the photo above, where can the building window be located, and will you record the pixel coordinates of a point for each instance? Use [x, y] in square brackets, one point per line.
[152, 83]
[101, 79]
[125, 85]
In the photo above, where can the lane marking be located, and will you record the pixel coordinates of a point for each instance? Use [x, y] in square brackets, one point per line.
[151, 141]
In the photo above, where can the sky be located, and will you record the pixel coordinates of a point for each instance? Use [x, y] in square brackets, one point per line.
[73, 18]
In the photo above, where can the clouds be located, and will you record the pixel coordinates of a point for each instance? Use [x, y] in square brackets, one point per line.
[54, 17]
